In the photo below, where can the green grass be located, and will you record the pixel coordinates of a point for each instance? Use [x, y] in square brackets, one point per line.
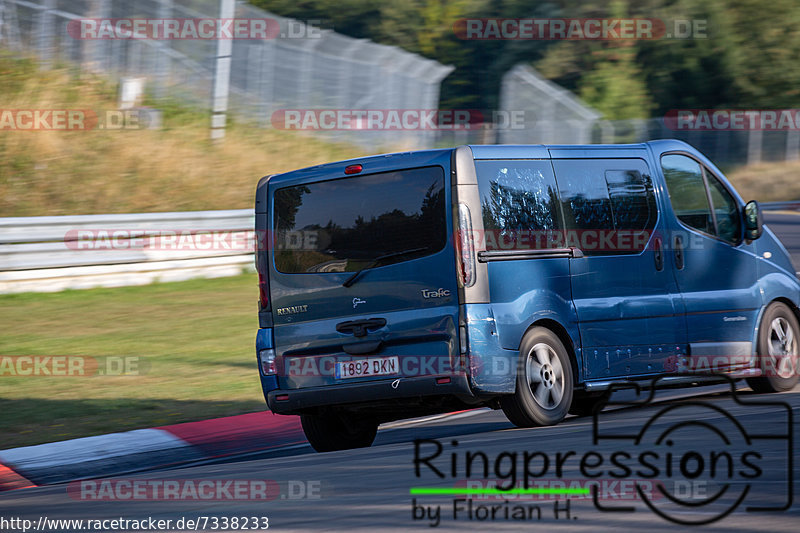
[175, 168]
[194, 338]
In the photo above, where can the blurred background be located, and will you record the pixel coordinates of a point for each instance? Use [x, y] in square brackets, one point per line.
[183, 129]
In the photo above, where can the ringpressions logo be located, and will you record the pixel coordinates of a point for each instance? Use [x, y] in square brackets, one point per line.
[690, 462]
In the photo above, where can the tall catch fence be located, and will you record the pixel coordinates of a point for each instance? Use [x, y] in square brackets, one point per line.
[553, 115]
[300, 65]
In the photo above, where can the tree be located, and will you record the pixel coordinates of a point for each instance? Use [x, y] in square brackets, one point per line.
[746, 59]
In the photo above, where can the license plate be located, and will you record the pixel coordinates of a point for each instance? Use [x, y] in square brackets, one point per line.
[374, 366]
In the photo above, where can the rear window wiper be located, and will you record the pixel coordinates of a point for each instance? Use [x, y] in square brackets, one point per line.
[375, 262]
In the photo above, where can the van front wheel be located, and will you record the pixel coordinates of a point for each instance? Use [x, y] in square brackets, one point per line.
[544, 382]
[335, 430]
[778, 348]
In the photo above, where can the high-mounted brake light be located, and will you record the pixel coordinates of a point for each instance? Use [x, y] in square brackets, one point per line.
[353, 169]
[466, 251]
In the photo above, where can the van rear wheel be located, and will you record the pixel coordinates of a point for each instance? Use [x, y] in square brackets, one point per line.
[778, 344]
[335, 430]
[544, 382]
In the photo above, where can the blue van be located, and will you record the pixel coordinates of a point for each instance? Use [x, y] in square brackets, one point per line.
[523, 278]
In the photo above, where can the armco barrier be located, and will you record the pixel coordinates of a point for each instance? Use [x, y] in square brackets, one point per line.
[781, 206]
[43, 254]
[50, 254]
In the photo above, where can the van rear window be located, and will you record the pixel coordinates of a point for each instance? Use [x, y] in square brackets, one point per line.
[345, 224]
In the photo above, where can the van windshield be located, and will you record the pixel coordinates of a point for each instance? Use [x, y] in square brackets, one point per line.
[344, 225]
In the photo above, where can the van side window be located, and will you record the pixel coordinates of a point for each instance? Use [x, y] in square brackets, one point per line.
[609, 205]
[584, 196]
[633, 204]
[519, 204]
[687, 192]
[726, 211]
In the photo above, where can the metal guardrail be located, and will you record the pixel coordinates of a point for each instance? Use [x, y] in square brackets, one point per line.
[780, 206]
[49, 254]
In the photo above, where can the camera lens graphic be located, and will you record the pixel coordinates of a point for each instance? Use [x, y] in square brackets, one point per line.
[705, 469]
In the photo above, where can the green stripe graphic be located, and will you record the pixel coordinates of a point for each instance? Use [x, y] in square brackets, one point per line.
[421, 491]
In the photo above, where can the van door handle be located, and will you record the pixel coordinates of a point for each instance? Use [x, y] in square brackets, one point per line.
[360, 328]
[679, 262]
[658, 254]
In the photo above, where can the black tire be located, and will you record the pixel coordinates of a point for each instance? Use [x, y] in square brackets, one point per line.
[544, 382]
[777, 352]
[585, 404]
[333, 430]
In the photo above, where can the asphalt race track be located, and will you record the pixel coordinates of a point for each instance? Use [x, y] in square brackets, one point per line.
[754, 443]
[369, 488]
[786, 227]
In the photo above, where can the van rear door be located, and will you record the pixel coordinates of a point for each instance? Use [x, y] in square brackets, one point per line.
[362, 273]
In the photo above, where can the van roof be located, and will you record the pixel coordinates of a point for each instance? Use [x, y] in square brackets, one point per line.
[373, 163]
[390, 161]
[537, 151]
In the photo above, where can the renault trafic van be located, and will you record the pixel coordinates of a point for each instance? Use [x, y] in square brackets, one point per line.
[524, 278]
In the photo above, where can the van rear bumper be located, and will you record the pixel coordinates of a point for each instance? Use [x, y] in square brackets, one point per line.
[295, 400]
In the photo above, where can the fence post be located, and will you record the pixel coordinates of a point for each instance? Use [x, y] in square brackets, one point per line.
[222, 75]
[44, 32]
[252, 81]
[754, 141]
[163, 61]
[309, 45]
[792, 145]
[607, 132]
[9, 26]
[94, 51]
[640, 129]
[722, 146]
[347, 74]
[266, 91]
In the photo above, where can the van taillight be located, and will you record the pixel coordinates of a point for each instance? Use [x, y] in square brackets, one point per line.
[263, 291]
[267, 359]
[466, 251]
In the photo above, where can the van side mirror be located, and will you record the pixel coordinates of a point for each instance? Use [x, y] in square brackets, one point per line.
[753, 221]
